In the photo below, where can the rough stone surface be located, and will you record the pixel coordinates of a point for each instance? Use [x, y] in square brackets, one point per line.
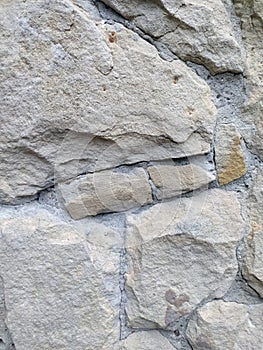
[73, 98]
[199, 31]
[106, 191]
[251, 16]
[172, 181]
[220, 325]
[149, 340]
[115, 118]
[170, 249]
[229, 157]
[61, 282]
[253, 267]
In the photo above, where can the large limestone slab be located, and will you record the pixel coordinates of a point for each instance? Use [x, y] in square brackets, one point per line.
[229, 157]
[146, 340]
[226, 325]
[199, 31]
[74, 100]
[253, 267]
[106, 191]
[172, 181]
[61, 282]
[251, 16]
[179, 253]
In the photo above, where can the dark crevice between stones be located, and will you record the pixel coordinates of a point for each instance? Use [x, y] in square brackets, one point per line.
[6, 342]
[124, 329]
[111, 17]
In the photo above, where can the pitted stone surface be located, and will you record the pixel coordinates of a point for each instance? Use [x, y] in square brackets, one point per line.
[61, 282]
[195, 30]
[226, 325]
[73, 98]
[170, 248]
[172, 181]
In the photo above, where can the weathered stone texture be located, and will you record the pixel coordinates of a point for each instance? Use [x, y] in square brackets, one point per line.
[149, 340]
[251, 16]
[253, 265]
[172, 181]
[73, 98]
[180, 253]
[229, 157]
[106, 191]
[227, 325]
[113, 235]
[195, 30]
[61, 282]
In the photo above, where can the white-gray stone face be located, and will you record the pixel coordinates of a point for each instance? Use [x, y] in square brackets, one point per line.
[60, 281]
[221, 325]
[149, 340]
[251, 18]
[253, 267]
[180, 253]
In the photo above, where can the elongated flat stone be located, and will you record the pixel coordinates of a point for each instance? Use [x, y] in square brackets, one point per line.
[106, 191]
[172, 181]
[252, 267]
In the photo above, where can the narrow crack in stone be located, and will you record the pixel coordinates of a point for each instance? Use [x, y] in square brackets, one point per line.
[7, 341]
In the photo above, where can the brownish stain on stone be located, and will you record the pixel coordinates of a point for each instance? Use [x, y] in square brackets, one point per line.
[112, 37]
[235, 166]
[173, 299]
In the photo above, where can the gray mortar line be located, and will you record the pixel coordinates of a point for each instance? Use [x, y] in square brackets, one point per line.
[152, 185]
[124, 330]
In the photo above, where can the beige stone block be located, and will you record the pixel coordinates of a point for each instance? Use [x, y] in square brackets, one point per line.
[229, 156]
[106, 191]
[171, 181]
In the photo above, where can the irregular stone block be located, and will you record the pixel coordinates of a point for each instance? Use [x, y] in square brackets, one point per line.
[251, 18]
[172, 181]
[198, 31]
[226, 325]
[253, 267]
[61, 282]
[180, 253]
[106, 191]
[230, 160]
[74, 100]
[149, 340]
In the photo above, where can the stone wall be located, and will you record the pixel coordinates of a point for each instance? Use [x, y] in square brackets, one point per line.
[131, 175]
